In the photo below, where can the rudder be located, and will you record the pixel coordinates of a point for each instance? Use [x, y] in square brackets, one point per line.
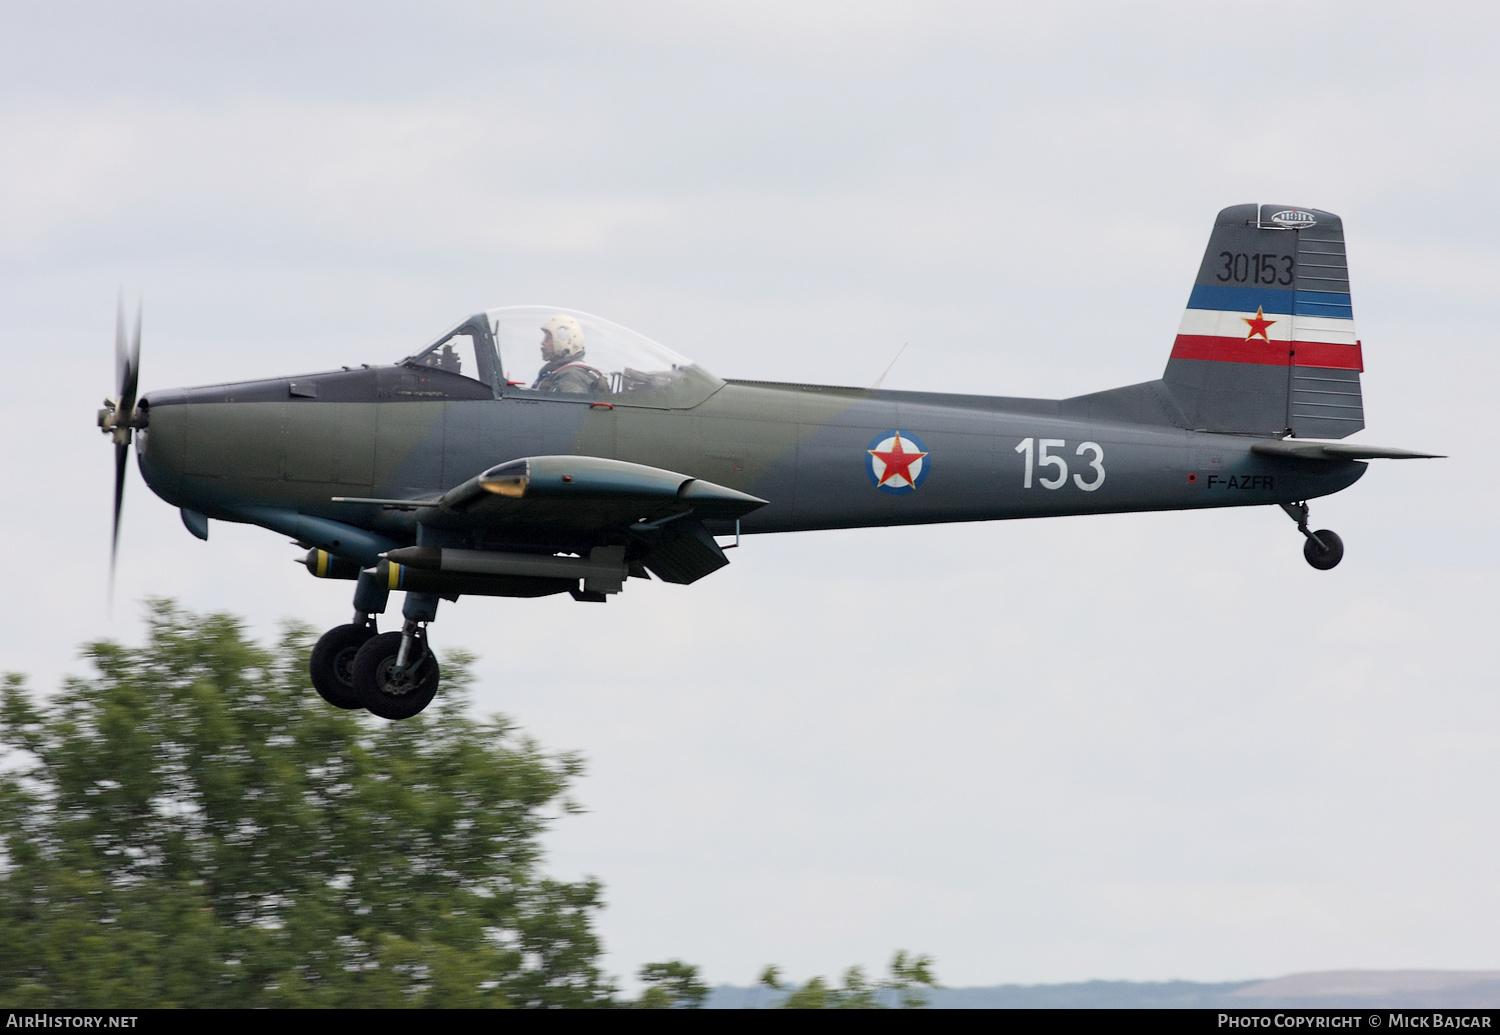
[1267, 345]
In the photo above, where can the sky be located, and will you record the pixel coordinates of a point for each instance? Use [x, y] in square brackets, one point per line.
[1123, 747]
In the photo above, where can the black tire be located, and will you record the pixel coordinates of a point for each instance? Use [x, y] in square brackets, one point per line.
[332, 664]
[1328, 555]
[378, 693]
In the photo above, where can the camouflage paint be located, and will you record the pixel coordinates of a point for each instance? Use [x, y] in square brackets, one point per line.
[802, 448]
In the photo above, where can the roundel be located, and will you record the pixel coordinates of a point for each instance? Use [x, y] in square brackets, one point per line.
[897, 462]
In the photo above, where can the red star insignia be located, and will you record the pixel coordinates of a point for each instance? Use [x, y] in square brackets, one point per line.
[897, 463]
[1258, 324]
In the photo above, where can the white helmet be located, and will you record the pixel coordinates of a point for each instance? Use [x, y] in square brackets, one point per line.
[566, 335]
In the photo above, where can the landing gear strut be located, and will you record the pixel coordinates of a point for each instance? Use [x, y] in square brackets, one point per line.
[1323, 549]
[392, 675]
[395, 674]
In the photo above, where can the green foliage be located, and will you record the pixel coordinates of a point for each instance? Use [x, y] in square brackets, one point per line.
[193, 826]
[857, 993]
[909, 974]
[815, 995]
[671, 985]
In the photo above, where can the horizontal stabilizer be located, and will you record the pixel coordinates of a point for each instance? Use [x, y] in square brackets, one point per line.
[1301, 449]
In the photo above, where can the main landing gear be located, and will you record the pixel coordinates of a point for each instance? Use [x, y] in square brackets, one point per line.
[1323, 549]
[393, 675]
[332, 665]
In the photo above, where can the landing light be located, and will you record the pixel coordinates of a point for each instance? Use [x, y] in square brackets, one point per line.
[511, 485]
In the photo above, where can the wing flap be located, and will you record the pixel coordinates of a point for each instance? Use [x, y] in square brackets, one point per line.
[683, 552]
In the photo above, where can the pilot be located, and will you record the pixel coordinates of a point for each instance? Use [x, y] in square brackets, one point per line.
[563, 369]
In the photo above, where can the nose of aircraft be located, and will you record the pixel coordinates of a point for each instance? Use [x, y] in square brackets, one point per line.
[120, 416]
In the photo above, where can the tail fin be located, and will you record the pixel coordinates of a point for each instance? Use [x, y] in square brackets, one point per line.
[1267, 344]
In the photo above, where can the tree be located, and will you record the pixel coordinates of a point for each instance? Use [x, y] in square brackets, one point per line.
[815, 995]
[769, 979]
[908, 974]
[857, 993]
[671, 985]
[193, 826]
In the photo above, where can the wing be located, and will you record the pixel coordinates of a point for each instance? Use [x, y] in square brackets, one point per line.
[657, 515]
[587, 493]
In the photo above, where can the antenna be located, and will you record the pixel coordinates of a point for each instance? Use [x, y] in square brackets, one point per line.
[881, 379]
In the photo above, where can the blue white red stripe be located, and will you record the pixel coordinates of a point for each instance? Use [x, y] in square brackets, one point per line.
[1271, 326]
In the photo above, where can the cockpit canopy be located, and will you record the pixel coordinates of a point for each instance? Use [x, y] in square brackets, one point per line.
[590, 358]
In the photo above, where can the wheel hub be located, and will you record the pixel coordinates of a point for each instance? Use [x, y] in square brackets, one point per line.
[395, 681]
[343, 666]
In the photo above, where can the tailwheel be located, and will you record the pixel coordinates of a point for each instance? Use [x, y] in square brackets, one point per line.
[394, 683]
[1323, 549]
[332, 664]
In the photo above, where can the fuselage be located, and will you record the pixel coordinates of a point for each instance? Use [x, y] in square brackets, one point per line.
[293, 444]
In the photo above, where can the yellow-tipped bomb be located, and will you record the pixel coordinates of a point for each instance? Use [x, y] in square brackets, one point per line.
[325, 565]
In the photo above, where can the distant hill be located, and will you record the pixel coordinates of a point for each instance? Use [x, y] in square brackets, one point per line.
[1359, 988]
[1474, 989]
